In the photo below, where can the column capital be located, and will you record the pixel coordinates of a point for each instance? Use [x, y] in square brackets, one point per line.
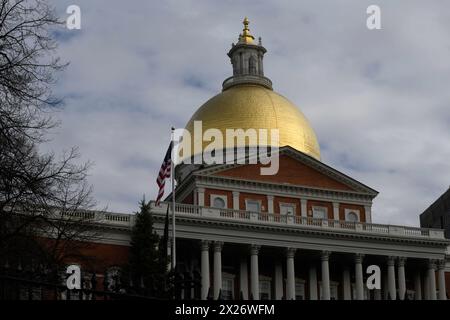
[401, 261]
[359, 257]
[201, 190]
[270, 197]
[391, 261]
[325, 255]
[205, 245]
[432, 264]
[254, 249]
[235, 193]
[441, 264]
[303, 201]
[218, 246]
[335, 204]
[290, 252]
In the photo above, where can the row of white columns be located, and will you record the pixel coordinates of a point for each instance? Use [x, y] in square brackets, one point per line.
[217, 277]
[389, 284]
[429, 281]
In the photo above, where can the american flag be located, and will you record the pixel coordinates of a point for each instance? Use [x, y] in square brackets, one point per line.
[164, 173]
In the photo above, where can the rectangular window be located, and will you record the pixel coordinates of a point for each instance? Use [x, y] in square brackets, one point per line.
[227, 289]
[253, 205]
[287, 209]
[320, 213]
[299, 290]
[264, 289]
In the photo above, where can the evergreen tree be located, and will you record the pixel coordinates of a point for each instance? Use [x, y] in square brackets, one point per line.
[144, 265]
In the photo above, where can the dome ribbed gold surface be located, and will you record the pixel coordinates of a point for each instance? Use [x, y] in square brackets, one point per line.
[253, 106]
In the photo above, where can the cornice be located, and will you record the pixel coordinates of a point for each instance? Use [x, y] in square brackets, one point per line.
[309, 231]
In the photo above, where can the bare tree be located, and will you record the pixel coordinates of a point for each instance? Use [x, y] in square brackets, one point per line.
[33, 186]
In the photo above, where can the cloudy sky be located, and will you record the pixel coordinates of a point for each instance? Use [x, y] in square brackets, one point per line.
[379, 100]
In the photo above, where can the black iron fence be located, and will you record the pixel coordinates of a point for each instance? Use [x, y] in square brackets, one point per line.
[21, 284]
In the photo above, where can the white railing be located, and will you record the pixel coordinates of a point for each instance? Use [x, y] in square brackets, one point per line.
[186, 210]
[300, 221]
[85, 215]
[117, 217]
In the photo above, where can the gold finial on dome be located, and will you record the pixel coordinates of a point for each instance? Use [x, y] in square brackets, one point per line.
[246, 36]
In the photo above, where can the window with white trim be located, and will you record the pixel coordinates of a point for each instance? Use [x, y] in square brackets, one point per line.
[219, 201]
[320, 212]
[352, 215]
[227, 287]
[287, 209]
[299, 289]
[264, 289]
[253, 205]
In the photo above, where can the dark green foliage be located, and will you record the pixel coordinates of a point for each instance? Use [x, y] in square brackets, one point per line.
[147, 265]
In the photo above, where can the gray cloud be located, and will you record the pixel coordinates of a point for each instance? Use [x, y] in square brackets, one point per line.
[378, 100]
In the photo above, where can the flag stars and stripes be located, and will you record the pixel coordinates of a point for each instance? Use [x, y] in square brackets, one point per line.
[164, 173]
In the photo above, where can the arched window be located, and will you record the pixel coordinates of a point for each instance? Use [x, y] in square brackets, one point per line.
[219, 203]
[352, 217]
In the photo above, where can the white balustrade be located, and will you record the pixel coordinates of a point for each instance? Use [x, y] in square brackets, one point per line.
[265, 218]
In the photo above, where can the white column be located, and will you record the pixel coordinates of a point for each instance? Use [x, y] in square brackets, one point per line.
[347, 284]
[270, 204]
[401, 278]
[254, 278]
[325, 275]
[359, 281]
[205, 269]
[192, 264]
[312, 283]
[426, 286]
[441, 280]
[377, 294]
[368, 212]
[201, 196]
[243, 279]
[336, 210]
[278, 281]
[290, 270]
[432, 278]
[217, 268]
[417, 286]
[385, 286]
[391, 278]
[236, 200]
[303, 207]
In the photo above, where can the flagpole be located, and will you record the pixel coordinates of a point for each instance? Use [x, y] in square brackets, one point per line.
[172, 163]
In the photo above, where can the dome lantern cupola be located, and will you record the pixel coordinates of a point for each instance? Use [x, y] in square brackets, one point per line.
[247, 61]
[248, 102]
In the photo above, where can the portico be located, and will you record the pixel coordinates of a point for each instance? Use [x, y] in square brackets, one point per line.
[297, 264]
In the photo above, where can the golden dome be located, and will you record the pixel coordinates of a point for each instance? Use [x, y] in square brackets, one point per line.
[249, 106]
